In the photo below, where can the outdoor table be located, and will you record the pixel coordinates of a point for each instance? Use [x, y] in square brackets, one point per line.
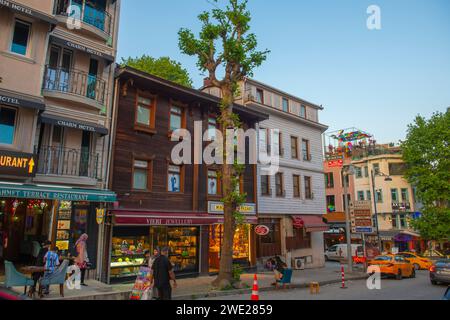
[30, 270]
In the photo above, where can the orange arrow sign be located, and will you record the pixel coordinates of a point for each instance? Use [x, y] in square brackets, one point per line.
[31, 165]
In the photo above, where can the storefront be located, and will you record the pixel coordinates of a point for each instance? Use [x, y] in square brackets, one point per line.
[30, 214]
[194, 242]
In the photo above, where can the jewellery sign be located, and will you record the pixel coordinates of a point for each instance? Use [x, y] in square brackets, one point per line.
[217, 208]
[361, 217]
[17, 164]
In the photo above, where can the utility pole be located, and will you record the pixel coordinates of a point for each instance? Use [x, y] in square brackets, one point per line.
[345, 174]
[375, 200]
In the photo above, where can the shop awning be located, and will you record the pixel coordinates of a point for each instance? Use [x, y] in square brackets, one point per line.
[75, 124]
[21, 9]
[144, 218]
[17, 100]
[81, 47]
[311, 223]
[25, 191]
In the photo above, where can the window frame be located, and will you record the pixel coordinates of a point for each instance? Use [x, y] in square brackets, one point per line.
[407, 199]
[140, 126]
[329, 185]
[303, 108]
[27, 50]
[149, 174]
[296, 190]
[308, 196]
[306, 157]
[282, 193]
[16, 122]
[259, 90]
[218, 181]
[296, 157]
[269, 190]
[182, 107]
[283, 99]
[363, 196]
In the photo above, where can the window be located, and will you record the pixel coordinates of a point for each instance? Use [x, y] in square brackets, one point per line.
[294, 147]
[274, 227]
[20, 37]
[212, 127]
[394, 221]
[394, 195]
[358, 172]
[279, 184]
[174, 178]
[263, 141]
[329, 180]
[277, 142]
[306, 150]
[331, 204]
[285, 105]
[376, 168]
[303, 111]
[361, 196]
[265, 185]
[213, 183]
[405, 195]
[145, 112]
[379, 196]
[366, 171]
[296, 186]
[7, 125]
[403, 222]
[141, 175]
[176, 118]
[260, 96]
[347, 179]
[369, 195]
[308, 188]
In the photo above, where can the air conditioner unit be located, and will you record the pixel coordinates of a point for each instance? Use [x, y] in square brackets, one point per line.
[298, 263]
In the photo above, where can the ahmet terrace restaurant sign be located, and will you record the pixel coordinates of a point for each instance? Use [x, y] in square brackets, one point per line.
[17, 164]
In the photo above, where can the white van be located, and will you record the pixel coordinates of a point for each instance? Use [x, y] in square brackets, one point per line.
[338, 252]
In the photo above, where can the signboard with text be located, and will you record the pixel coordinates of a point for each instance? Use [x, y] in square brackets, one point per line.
[361, 217]
[17, 164]
[217, 208]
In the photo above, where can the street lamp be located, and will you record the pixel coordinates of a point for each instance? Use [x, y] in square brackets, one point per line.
[387, 178]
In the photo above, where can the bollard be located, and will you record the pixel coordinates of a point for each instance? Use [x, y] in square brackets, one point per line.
[255, 290]
[343, 277]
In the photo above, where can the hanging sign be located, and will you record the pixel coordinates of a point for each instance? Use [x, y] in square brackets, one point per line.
[262, 230]
[100, 215]
[17, 164]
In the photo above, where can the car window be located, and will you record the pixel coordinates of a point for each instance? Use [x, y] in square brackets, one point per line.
[383, 258]
[399, 259]
[332, 249]
[443, 264]
[406, 255]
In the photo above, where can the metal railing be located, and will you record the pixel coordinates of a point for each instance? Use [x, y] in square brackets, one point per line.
[74, 82]
[88, 13]
[69, 162]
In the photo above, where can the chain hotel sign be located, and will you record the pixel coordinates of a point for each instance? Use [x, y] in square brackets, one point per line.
[17, 164]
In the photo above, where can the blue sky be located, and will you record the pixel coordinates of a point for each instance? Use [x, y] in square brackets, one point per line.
[322, 51]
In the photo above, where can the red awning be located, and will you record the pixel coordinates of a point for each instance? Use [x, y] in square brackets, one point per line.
[310, 222]
[141, 218]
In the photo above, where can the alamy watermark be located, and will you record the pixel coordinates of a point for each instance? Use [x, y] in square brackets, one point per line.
[374, 19]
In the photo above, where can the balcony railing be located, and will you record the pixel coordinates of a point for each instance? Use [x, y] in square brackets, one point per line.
[69, 162]
[74, 82]
[89, 13]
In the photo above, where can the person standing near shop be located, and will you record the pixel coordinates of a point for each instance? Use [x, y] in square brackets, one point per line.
[51, 261]
[82, 258]
[162, 273]
[40, 262]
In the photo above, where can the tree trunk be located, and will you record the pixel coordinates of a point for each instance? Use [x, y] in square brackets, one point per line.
[225, 277]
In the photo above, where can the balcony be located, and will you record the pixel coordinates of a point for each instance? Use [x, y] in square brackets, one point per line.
[66, 162]
[75, 86]
[94, 17]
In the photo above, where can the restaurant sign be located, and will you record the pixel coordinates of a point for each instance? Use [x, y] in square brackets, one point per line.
[361, 217]
[17, 164]
[218, 207]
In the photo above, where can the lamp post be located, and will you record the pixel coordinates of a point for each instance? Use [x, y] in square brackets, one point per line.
[375, 200]
[346, 171]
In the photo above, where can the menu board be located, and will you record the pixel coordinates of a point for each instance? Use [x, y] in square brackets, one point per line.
[63, 225]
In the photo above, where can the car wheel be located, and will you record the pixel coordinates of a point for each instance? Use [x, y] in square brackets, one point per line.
[413, 273]
[416, 266]
[399, 275]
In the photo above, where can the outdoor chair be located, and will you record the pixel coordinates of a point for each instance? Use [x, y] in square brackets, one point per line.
[16, 279]
[57, 277]
[286, 280]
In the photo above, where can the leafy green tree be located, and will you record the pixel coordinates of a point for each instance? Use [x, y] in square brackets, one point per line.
[227, 52]
[426, 152]
[162, 67]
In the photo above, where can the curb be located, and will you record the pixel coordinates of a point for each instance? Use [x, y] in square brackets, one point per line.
[216, 294]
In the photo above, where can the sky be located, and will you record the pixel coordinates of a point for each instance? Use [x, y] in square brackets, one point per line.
[323, 52]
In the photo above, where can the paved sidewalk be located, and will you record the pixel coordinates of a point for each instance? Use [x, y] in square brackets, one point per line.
[196, 288]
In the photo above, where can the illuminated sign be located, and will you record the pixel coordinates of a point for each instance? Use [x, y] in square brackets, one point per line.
[218, 207]
[262, 230]
[336, 163]
[17, 164]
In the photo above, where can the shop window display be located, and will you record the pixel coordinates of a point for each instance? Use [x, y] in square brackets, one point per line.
[128, 255]
[183, 249]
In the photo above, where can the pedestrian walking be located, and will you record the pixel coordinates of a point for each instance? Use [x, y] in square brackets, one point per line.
[51, 261]
[82, 259]
[162, 274]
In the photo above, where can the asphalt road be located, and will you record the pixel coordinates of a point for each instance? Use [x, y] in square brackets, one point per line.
[419, 288]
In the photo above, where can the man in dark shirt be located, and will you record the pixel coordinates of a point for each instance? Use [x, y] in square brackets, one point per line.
[162, 274]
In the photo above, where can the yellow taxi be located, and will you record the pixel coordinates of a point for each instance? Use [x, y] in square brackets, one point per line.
[391, 265]
[419, 263]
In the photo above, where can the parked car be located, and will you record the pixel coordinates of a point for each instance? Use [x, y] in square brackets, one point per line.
[338, 252]
[419, 263]
[391, 265]
[7, 296]
[434, 254]
[440, 272]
